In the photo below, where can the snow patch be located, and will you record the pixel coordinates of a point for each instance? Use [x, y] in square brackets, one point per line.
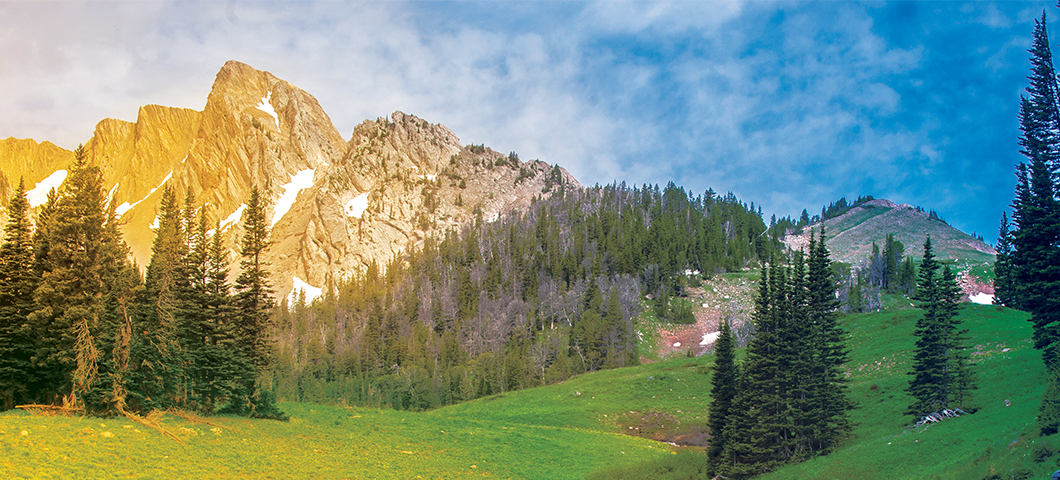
[677, 344]
[430, 177]
[710, 338]
[982, 298]
[357, 206]
[39, 195]
[299, 182]
[234, 217]
[266, 107]
[493, 218]
[154, 224]
[125, 206]
[110, 194]
[311, 292]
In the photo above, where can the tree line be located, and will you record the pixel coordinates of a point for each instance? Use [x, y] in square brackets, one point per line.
[1027, 269]
[80, 329]
[529, 299]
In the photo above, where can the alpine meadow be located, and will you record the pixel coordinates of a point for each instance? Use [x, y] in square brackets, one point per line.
[241, 291]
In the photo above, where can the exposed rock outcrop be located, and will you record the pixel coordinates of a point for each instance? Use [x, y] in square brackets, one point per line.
[336, 206]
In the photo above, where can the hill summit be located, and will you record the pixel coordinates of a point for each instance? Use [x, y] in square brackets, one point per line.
[850, 236]
[335, 205]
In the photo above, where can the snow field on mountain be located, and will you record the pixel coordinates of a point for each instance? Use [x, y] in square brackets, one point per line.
[39, 195]
[356, 206]
[311, 292]
[266, 107]
[299, 181]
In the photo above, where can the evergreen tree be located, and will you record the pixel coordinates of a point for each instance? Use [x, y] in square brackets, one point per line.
[158, 358]
[83, 267]
[254, 305]
[942, 375]
[829, 349]
[1031, 279]
[756, 435]
[723, 391]
[18, 280]
[1003, 281]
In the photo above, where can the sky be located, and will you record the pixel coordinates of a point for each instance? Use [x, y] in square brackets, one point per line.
[790, 105]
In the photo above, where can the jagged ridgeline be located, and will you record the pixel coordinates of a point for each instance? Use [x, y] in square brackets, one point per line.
[528, 299]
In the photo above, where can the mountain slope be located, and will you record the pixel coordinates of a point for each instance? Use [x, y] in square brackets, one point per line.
[336, 205]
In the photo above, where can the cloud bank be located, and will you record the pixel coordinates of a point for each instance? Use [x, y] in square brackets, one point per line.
[788, 105]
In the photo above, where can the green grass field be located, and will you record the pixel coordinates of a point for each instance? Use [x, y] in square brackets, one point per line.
[573, 429]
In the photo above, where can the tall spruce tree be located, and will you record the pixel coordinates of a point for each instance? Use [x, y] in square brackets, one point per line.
[18, 280]
[1030, 277]
[829, 350]
[254, 305]
[158, 358]
[1003, 281]
[942, 376]
[84, 268]
[723, 391]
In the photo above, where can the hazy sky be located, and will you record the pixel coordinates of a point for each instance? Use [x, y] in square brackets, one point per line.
[787, 105]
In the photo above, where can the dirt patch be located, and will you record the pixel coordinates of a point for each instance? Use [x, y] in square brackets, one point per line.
[717, 299]
[662, 427]
[971, 285]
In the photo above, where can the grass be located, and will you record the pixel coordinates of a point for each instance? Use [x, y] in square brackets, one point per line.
[574, 429]
[994, 440]
[560, 431]
[998, 439]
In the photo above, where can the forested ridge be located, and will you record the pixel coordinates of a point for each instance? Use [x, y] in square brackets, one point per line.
[529, 299]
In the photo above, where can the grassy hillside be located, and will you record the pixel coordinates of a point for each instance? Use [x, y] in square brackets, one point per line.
[572, 429]
[994, 440]
[561, 431]
[850, 236]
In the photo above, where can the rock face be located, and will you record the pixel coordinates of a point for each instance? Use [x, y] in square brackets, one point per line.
[336, 206]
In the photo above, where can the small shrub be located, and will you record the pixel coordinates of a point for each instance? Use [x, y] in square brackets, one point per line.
[1022, 473]
[1042, 453]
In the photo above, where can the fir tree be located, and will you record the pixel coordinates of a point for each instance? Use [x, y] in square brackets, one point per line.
[159, 373]
[829, 348]
[18, 280]
[254, 305]
[1003, 281]
[83, 268]
[723, 391]
[1031, 279]
[942, 375]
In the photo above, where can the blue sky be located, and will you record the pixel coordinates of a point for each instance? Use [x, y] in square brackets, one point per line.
[790, 105]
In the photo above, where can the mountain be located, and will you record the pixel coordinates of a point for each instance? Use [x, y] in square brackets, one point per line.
[850, 237]
[336, 205]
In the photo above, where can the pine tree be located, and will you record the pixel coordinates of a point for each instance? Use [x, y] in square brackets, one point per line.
[942, 374]
[1003, 281]
[830, 351]
[83, 267]
[1031, 265]
[756, 432]
[159, 373]
[723, 391]
[18, 280]
[254, 305]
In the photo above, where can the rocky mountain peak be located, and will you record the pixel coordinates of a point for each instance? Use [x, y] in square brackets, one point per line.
[336, 206]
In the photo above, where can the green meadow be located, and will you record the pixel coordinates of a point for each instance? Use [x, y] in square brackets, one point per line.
[608, 424]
